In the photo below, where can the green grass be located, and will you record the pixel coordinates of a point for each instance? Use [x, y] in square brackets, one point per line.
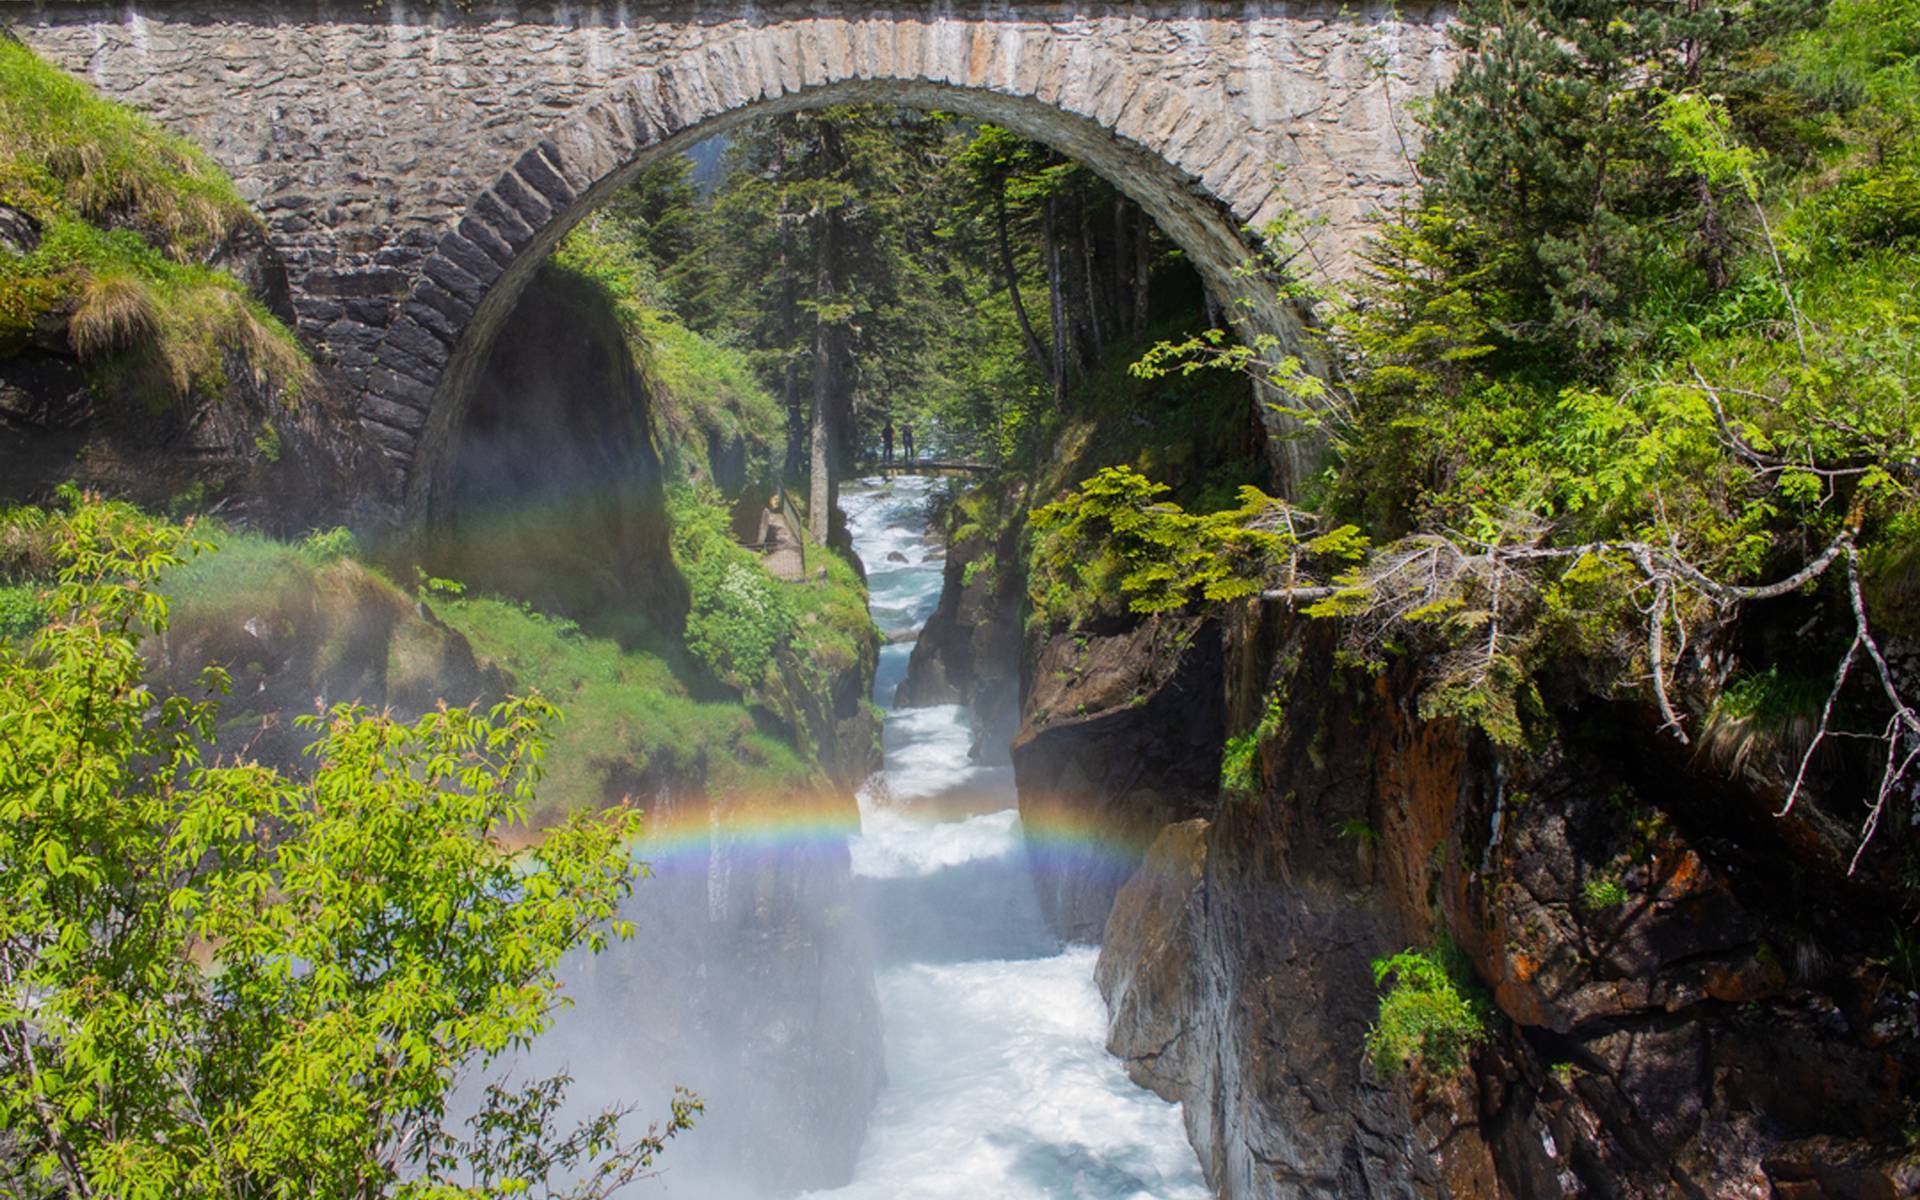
[128, 216]
[64, 149]
[627, 716]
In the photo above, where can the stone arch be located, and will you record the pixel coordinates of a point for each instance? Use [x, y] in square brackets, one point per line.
[1193, 169]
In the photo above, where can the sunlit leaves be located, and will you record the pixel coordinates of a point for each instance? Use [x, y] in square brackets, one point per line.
[217, 980]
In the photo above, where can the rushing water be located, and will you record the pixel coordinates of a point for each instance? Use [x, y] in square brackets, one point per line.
[999, 1084]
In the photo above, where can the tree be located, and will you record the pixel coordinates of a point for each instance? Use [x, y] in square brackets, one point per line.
[1549, 138]
[216, 980]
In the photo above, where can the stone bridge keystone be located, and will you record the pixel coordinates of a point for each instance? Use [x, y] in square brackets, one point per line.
[415, 161]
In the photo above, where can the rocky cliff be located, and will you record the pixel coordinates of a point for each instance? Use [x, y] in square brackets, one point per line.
[970, 649]
[1685, 1001]
[1120, 734]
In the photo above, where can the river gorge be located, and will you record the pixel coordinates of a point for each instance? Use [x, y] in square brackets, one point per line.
[1035, 601]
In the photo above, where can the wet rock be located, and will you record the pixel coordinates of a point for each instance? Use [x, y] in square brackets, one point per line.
[1153, 933]
[894, 556]
[970, 650]
[1656, 1033]
[1120, 735]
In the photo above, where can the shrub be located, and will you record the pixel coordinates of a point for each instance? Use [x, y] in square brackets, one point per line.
[201, 958]
[329, 545]
[1426, 1022]
[738, 615]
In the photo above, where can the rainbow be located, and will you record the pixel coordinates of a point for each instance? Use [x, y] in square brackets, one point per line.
[680, 835]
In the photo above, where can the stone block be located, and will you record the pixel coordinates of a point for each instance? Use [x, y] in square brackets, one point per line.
[471, 258]
[506, 224]
[414, 337]
[543, 176]
[399, 442]
[525, 203]
[401, 418]
[455, 310]
[432, 320]
[489, 242]
[445, 272]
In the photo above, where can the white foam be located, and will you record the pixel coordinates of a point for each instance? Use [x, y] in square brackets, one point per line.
[893, 845]
[999, 1085]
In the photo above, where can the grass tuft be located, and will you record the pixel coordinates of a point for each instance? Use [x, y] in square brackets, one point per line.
[117, 313]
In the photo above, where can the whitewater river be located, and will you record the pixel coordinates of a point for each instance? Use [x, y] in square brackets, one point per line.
[998, 1083]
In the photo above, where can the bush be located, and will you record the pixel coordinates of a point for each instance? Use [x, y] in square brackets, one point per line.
[330, 545]
[1426, 1022]
[738, 615]
[202, 958]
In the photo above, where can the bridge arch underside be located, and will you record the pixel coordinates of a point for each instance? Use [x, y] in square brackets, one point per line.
[432, 357]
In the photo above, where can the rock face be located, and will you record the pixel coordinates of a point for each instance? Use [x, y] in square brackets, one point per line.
[557, 496]
[969, 651]
[1671, 1017]
[1120, 735]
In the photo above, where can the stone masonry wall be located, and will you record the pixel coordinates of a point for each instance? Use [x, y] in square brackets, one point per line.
[414, 160]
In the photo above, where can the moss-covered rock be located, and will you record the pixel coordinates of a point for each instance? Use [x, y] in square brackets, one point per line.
[142, 339]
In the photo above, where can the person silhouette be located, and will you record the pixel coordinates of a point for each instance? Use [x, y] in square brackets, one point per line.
[886, 435]
[906, 442]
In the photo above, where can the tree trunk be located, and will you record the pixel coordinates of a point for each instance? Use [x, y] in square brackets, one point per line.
[1093, 289]
[1012, 275]
[1142, 273]
[789, 321]
[1056, 302]
[825, 370]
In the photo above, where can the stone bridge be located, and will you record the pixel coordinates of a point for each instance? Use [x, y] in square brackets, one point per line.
[415, 160]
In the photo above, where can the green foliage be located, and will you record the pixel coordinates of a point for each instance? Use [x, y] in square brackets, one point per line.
[330, 545]
[22, 611]
[127, 215]
[1240, 758]
[1116, 539]
[427, 587]
[1603, 892]
[983, 569]
[224, 981]
[1427, 1023]
[739, 615]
